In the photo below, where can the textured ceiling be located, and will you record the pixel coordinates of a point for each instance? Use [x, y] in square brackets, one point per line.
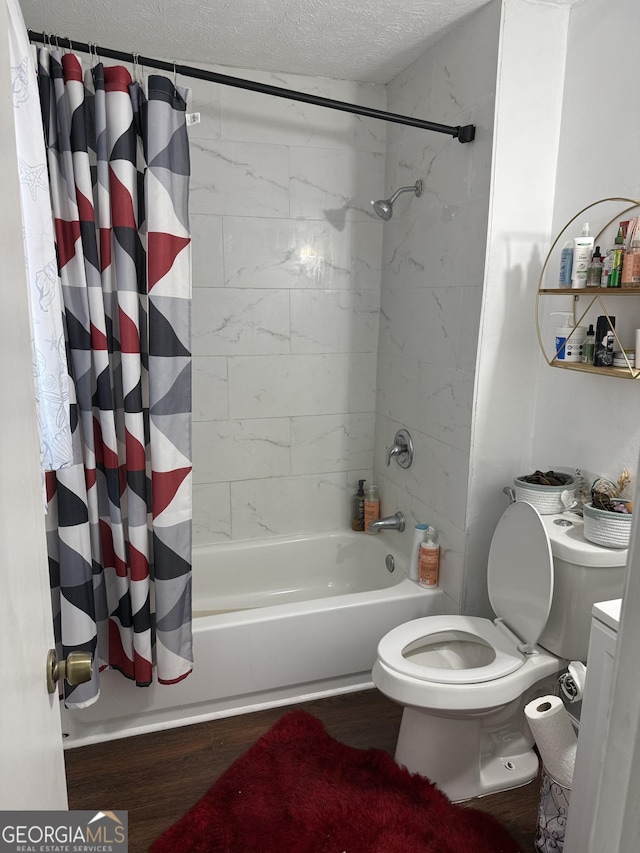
[364, 40]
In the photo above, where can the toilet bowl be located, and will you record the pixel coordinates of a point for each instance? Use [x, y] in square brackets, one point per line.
[464, 681]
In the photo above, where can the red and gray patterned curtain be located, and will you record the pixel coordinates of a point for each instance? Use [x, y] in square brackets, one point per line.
[119, 518]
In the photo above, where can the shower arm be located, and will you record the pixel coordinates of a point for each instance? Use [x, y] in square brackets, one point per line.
[401, 190]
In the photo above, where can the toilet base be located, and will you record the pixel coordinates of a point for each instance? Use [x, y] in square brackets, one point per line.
[469, 757]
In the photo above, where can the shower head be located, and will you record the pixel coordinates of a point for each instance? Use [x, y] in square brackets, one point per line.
[384, 206]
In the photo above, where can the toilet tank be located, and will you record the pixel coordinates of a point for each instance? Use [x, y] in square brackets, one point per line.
[584, 573]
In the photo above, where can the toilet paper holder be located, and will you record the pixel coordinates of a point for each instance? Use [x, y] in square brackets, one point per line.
[571, 683]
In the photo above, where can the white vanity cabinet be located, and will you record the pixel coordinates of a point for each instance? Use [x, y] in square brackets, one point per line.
[594, 719]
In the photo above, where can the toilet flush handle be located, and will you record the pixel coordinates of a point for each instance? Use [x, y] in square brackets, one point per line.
[510, 493]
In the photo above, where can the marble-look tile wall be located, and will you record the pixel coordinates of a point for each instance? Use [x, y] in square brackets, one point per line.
[432, 275]
[286, 274]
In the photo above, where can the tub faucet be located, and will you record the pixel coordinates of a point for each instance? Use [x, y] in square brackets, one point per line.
[391, 522]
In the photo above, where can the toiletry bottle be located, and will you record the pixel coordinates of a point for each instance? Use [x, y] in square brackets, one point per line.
[631, 263]
[414, 561]
[357, 507]
[594, 274]
[588, 348]
[603, 355]
[606, 268]
[617, 260]
[582, 251]
[371, 508]
[429, 567]
[562, 333]
[566, 265]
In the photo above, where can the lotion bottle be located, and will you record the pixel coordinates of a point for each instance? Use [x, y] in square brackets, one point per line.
[562, 333]
[371, 508]
[582, 252]
[429, 567]
[414, 562]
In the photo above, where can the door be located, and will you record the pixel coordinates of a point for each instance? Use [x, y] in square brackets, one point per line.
[32, 765]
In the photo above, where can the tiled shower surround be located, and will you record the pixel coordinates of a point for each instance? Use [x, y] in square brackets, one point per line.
[286, 274]
[317, 332]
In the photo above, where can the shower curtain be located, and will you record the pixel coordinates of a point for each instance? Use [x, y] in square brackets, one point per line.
[119, 518]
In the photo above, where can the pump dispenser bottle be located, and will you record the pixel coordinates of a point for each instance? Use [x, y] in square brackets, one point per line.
[563, 330]
[429, 567]
[419, 532]
[357, 507]
[371, 508]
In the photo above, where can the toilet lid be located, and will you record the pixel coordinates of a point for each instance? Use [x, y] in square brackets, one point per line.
[520, 572]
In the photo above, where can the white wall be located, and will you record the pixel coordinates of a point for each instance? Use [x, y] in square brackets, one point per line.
[591, 422]
[529, 101]
[285, 305]
[432, 276]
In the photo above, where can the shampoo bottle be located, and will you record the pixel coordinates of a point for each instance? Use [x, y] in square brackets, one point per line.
[371, 508]
[357, 507]
[566, 265]
[414, 561]
[582, 252]
[429, 567]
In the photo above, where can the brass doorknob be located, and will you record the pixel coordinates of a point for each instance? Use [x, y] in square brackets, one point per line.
[76, 669]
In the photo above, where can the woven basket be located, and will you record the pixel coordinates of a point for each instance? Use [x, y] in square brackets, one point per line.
[611, 529]
[546, 499]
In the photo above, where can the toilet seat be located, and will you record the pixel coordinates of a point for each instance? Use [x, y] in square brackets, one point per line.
[520, 582]
[428, 631]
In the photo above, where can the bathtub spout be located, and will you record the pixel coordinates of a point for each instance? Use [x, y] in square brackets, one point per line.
[391, 522]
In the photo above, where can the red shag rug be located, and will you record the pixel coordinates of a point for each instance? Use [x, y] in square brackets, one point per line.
[296, 790]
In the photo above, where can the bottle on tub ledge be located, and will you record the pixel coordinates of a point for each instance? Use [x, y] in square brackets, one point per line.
[419, 532]
[429, 566]
[371, 508]
[357, 507]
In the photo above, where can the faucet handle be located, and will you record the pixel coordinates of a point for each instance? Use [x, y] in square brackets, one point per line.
[402, 449]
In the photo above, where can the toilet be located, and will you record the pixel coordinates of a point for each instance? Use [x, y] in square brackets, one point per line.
[464, 680]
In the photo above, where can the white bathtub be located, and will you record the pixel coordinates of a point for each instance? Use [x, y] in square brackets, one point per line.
[276, 621]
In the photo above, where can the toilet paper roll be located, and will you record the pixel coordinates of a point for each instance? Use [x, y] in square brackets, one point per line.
[554, 736]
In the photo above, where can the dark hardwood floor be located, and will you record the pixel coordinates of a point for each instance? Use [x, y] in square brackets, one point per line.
[157, 777]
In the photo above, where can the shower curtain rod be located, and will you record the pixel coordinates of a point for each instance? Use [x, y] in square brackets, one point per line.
[463, 133]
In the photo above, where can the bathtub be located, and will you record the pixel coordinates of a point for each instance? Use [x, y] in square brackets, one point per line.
[276, 621]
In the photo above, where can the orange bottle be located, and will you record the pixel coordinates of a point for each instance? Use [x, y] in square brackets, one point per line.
[371, 508]
[429, 566]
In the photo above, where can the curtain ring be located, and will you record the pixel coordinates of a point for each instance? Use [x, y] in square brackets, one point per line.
[175, 75]
[138, 74]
